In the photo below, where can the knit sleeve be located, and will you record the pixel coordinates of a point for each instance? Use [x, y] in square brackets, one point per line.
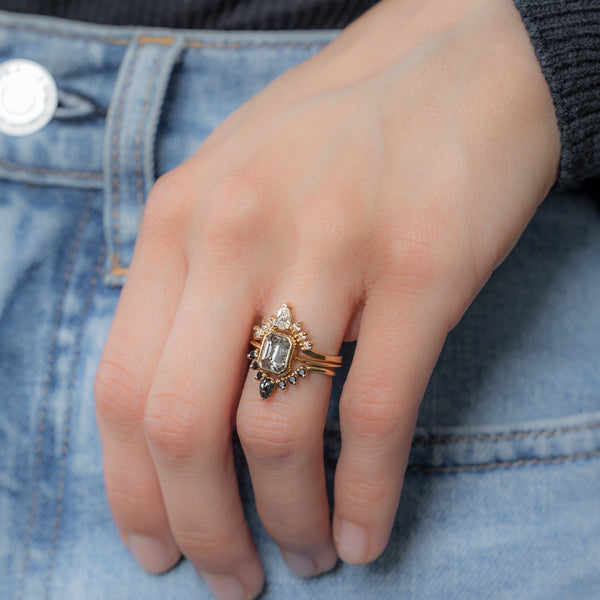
[566, 38]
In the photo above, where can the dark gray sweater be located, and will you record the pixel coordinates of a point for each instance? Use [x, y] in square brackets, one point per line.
[565, 35]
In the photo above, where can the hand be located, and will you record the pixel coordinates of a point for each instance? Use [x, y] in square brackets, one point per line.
[374, 187]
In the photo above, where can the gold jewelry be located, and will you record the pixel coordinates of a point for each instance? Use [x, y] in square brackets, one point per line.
[282, 352]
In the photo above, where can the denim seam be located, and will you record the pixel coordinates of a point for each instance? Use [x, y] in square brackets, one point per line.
[506, 464]
[196, 45]
[190, 43]
[115, 152]
[75, 36]
[161, 40]
[50, 362]
[42, 171]
[67, 426]
[492, 437]
[138, 139]
[483, 437]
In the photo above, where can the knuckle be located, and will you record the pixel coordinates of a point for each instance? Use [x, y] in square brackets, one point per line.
[168, 205]
[421, 245]
[119, 394]
[416, 257]
[212, 547]
[368, 408]
[289, 531]
[286, 529]
[367, 495]
[232, 216]
[204, 542]
[172, 427]
[268, 436]
[125, 500]
[120, 495]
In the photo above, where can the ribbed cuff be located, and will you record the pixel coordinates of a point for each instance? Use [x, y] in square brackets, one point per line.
[566, 38]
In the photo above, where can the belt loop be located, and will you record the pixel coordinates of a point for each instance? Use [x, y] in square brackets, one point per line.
[131, 125]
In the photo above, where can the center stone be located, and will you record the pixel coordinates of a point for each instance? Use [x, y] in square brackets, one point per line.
[275, 353]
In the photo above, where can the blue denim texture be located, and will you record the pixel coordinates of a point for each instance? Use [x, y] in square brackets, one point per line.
[502, 494]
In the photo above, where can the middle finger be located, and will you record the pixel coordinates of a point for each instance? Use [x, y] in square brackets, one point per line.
[189, 423]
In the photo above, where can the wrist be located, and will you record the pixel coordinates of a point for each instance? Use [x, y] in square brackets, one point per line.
[490, 57]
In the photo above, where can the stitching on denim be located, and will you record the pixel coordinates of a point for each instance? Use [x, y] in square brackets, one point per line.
[41, 171]
[138, 139]
[504, 436]
[165, 40]
[73, 36]
[506, 464]
[115, 151]
[67, 427]
[196, 45]
[190, 43]
[523, 462]
[50, 361]
[491, 437]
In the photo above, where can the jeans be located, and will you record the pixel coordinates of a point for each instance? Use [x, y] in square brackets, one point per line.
[502, 494]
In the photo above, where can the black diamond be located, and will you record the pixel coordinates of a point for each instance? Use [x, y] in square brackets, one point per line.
[253, 354]
[259, 375]
[302, 372]
[254, 365]
[266, 388]
[282, 385]
[292, 379]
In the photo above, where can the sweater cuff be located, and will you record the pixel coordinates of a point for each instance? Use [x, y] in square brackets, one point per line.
[565, 35]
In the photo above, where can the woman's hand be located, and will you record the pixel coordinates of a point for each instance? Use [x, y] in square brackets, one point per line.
[374, 187]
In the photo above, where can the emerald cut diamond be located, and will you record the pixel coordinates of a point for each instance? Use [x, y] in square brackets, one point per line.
[275, 353]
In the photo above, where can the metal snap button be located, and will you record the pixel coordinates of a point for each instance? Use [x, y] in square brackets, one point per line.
[28, 97]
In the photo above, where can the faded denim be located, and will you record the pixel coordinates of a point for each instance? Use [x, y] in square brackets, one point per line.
[502, 494]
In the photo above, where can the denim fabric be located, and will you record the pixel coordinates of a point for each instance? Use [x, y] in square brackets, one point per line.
[502, 494]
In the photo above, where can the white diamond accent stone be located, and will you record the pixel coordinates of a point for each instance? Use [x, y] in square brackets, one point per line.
[275, 353]
[284, 317]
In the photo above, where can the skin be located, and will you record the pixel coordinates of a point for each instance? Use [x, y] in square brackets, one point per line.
[374, 187]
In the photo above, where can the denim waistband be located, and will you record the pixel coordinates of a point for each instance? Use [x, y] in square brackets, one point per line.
[118, 87]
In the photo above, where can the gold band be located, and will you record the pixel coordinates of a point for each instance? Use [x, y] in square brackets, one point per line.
[282, 352]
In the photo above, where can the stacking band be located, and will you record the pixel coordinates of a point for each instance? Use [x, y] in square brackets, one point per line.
[282, 352]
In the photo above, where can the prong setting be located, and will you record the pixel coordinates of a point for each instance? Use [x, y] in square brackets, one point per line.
[276, 355]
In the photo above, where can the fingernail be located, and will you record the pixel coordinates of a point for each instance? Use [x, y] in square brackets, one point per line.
[300, 564]
[226, 587]
[352, 543]
[327, 559]
[151, 553]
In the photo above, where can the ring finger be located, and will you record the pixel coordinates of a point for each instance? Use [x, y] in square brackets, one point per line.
[282, 436]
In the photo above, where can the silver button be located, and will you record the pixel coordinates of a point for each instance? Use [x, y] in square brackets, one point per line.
[28, 97]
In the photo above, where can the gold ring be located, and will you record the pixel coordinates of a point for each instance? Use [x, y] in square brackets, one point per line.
[282, 352]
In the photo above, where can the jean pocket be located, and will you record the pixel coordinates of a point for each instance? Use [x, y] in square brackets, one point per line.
[518, 379]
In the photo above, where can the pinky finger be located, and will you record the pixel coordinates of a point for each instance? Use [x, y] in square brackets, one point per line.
[378, 411]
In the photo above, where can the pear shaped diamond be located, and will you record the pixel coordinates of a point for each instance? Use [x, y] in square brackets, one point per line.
[284, 317]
